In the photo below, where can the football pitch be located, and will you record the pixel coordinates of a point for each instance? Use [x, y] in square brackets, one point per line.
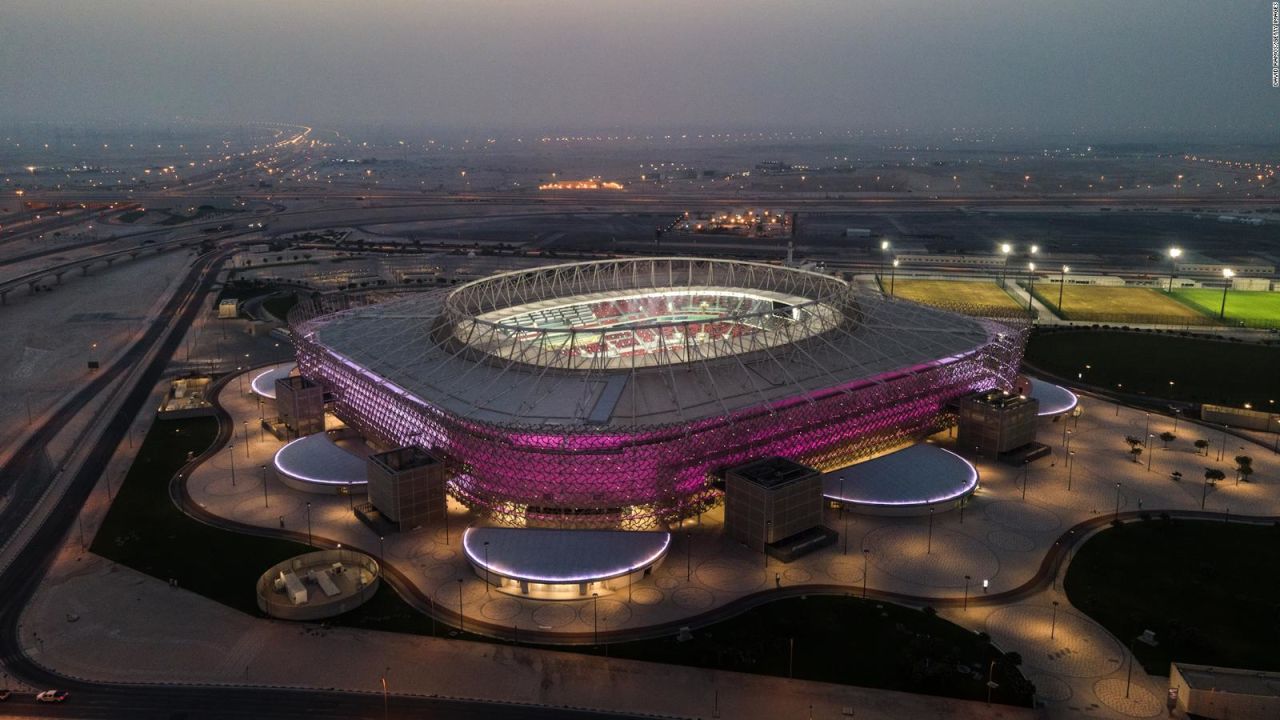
[954, 293]
[1098, 302]
[1259, 306]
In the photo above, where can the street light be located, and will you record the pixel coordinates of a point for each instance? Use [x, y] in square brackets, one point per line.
[1053, 624]
[1006, 249]
[595, 618]
[1117, 515]
[929, 549]
[231, 450]
[966, 592]
[265, 502]
[1071, 464]
[893, 274]
[1150, 442]
[1062, 284]
[1174, 254]
[486, 567]
[308, 523]
[884, 249]
[865, 553]
[1031, 283]
[1227, 274]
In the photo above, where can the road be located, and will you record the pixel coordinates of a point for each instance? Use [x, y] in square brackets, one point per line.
[22, 577]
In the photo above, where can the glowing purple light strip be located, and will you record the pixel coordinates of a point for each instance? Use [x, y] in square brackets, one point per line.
[477, 559]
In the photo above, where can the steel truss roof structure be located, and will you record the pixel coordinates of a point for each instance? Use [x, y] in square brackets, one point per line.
[607, 393]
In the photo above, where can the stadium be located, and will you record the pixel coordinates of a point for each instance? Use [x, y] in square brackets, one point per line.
[612, 394]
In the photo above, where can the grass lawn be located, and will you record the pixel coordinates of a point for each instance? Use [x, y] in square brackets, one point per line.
[954, 293]
[1116, 304]
[1212, 371]
[145, 531]
[1205, 588]
[1258, 307]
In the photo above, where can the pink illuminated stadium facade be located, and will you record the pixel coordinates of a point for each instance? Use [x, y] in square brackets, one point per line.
[612, 393]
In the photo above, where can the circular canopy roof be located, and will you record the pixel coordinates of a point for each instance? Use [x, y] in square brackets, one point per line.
[919, 475]
[563, 556]
[316, 459]
[1054, 399]
[264, 383]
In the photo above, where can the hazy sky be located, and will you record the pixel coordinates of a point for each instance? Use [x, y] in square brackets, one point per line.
[1050, 64]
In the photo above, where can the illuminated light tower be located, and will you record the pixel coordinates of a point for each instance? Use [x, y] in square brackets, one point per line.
[1031, 283]
[1227, 274]
[1005, 249]
[893, 274]
[1174, 254]
[1062, 284]
[884, 249]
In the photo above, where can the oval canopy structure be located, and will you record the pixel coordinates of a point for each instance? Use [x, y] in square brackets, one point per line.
[556, 564]
[264, 383]
[907, 481]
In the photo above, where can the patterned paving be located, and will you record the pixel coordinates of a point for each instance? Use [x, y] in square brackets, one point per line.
[905, 552]
[1079, 647]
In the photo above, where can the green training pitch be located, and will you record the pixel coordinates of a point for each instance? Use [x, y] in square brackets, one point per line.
[1257, 306]
[1115, 304]
[952, 293]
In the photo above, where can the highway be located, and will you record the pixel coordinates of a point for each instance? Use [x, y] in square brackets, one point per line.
[22, 577]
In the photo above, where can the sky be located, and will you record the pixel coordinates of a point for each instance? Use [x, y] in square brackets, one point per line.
[841, 64]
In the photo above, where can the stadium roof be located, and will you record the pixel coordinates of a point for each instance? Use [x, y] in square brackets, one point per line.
[833, 336]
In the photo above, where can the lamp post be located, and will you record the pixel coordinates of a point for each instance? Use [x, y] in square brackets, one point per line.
[893, 275]
[265, 503]
[1227, 274]
[1174, 254]
[246, 438]
[309, 523]
[929, 548]
[595, 619]
[844, 520]
[1053, 624]
[1150, 451]
[688, 557]
[1031, 283]
[1117, 514]
[966, 591]
[865, 553]
[884, 250]
[1071, 463]
[231, 450]
[768, 533]
[486, 567]
[461, 621]
[1005, 249]
[1128, 681]
[1062, 285]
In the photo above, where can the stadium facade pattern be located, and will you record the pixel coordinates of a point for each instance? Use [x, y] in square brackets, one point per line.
[610, 393]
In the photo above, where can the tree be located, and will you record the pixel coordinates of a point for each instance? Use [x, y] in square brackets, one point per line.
[1214, 475]
[1167, 437]
[1244, 468]
[1135, 446]
[1202, 445]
